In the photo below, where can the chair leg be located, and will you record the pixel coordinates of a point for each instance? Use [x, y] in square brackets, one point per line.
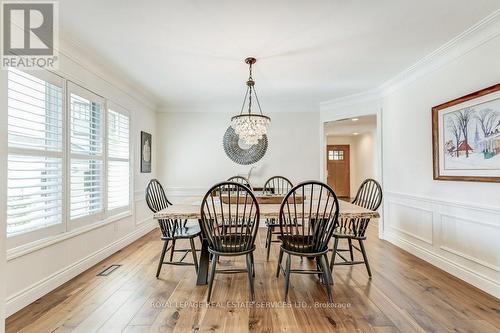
[162, 257]
[172, 250]
[365, 257]
[279, 263]
[318, 267]
[268, 242]
[287, 275]
[193, 252]
[211, 278]
[350, 249]
[327, 276]
[250, 275]
[253, 264]
[334, 253]
[328, 265]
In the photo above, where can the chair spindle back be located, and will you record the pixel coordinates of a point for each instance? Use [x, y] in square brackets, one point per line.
[277, 185]
[308, 216]
[230, 217]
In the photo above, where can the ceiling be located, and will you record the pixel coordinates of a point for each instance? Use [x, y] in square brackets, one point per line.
[348, 127]
[189, 54]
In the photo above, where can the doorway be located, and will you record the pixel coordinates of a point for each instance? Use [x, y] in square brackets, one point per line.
[338, 169]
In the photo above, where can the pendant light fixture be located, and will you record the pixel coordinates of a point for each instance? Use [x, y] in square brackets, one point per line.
[249, 126]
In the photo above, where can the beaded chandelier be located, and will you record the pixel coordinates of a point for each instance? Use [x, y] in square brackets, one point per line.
[249, 126]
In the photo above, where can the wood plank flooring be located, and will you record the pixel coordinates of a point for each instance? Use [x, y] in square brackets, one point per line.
[405, 294]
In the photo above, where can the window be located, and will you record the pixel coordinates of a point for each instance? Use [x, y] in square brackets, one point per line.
[118, 160]
[86, 153]
[61, 174]
[35, 161]
[335, 155]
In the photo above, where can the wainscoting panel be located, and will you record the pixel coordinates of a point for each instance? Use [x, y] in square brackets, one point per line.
[410, 221]
[473, 240]
[462, 239]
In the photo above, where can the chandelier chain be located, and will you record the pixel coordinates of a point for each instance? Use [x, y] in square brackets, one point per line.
[244, 100]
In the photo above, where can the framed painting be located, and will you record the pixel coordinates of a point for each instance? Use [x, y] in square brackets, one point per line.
[146, 152]
[466, 137]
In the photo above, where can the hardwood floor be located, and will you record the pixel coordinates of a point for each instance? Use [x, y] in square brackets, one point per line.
[405, 294]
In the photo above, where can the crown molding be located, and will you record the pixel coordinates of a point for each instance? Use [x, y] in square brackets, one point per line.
[77, 54]
[358, 98]
[475, 36]
[478, 34]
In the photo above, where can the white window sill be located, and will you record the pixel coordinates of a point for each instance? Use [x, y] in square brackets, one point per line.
[30, 247]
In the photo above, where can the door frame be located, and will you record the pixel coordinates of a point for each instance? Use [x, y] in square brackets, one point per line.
[351, 107]
[348, 169]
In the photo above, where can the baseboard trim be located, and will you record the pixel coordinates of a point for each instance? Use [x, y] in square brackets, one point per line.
[480, 281]
[30, 294]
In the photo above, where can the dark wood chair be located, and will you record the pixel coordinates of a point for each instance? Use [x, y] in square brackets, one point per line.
[230, 228]
[240, 180]
[278, 185]
[171, 230]
[369, 196]
[306, 226]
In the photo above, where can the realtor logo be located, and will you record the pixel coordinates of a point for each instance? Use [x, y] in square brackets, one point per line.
[29, 34]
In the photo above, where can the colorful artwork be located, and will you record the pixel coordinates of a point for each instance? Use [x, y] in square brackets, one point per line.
[467, 137]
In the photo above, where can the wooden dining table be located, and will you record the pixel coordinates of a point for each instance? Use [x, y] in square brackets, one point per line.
[189, 208]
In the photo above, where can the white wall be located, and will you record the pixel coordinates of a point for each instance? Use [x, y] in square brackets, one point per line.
[363, 156]
[365, 153]
[30, 274]
[192, 157]
[454, 224]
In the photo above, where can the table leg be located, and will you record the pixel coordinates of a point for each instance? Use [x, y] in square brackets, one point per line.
[204, 262]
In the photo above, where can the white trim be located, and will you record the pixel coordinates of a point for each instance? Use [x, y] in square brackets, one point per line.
[373, 95]
[333, 112]
[459, 263]
[478, 34]
[411, 234]
[193, 191]
[458, 204]
[139, 195]
[470, 258]
[26, 296]
[479, 280]
[135, 91]
[30, 247]
[144, 220]
[430, 240]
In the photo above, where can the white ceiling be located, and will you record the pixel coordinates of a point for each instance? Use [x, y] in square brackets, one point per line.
[348, 127]
[189, 54]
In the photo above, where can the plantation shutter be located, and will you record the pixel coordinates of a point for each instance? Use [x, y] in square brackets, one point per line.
[86, 153]
[35, 158]
[118, 160]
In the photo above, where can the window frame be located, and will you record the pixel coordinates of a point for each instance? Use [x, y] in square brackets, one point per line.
[73, 88]
[42, 232]
[111, 106]
[34, 239]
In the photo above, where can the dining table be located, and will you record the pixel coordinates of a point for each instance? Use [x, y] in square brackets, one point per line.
[189, 208]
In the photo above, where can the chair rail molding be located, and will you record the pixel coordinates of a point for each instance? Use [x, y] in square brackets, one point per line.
[457, 237]
[192, 191]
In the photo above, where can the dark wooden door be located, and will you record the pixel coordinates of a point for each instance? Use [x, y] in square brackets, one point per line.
[338, 169]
